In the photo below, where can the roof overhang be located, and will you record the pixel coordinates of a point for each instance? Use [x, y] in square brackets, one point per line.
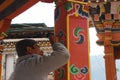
[9, 9]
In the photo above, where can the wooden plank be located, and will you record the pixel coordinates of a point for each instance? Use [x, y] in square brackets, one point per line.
[22, 8]
[12, 8]
[5, 4]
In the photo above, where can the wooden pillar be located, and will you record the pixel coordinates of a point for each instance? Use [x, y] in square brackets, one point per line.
[110, 64]
[109, 57]
[4, 24]
[71, 24]
[0, 66]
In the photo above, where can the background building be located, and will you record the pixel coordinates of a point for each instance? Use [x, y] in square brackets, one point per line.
[39, 32]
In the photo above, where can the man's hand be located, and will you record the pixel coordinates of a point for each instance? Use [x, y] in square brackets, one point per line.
[53, 39]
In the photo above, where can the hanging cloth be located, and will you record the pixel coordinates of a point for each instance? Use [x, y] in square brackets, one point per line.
[93, 9]
[118, 10]
[102, 8]
[107, 6]
[115, 8]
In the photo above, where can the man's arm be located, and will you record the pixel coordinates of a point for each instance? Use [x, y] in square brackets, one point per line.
[58, 58]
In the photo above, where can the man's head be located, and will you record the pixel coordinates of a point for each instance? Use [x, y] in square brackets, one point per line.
[27, 46]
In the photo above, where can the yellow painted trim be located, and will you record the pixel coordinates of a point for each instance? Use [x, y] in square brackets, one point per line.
[68, 73]
[5, 4]
[80, 2]
[68, 66]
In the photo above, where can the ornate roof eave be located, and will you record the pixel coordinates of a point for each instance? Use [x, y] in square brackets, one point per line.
[29, 27]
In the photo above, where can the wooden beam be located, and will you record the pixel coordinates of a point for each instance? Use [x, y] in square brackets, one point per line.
[12, 8]
[5, 4]
[23, 8]
[1, 1]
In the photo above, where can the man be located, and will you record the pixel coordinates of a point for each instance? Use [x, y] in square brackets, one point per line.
[33, 65]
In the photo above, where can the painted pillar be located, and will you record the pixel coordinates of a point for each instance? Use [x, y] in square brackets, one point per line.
[0, 66]
[110, 63]
[71, 24]
[1, 50]
[4, 24]
[109, 57]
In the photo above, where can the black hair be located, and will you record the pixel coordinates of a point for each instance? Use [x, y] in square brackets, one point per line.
[21, 46]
